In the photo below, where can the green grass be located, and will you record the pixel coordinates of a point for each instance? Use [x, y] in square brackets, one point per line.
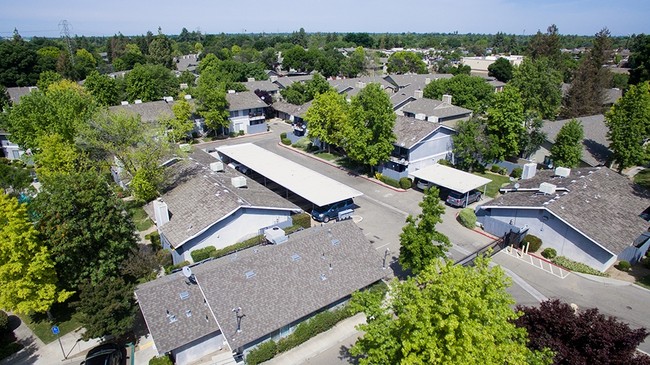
[139, 216]
[326, 156]
[643, 178]
[42, 326]
[644, 282]
[497, 182]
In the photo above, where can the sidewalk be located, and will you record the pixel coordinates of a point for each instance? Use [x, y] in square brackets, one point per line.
[320, 343]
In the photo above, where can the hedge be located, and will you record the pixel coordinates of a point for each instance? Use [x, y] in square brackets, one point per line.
[467, 218]
[446, 162]
[303, 220]
[388, 181]
[495, 169]
[154, 238]
[549, 253]
[283, 135]
[286, 141]
[405, 183]
[624, 265]
[202, 253]
[262, 353]
[161, 360]
[516, 172]
[577, 266]
[534, 242]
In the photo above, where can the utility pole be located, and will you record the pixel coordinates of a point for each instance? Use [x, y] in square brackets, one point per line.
[64, 28]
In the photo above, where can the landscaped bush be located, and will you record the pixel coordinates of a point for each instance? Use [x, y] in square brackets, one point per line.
[262, 353]
[445, 162]
[286, 141]
[495, 168]
[533, 242]
[516, 172]
[549, 253]
[283, 135]
[177, 266]
[624, 265]
[202, 253]
[577, 266]
[405, 183]
[503, 171]
[303, 220]
[164, 258]
[254, 241]
[4, 322]
[467, 218]
[154, 238]
[387, 180]
[232, 134]
[161, 360]
[241, 133]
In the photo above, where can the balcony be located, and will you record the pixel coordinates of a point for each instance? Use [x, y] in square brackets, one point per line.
[256, 115]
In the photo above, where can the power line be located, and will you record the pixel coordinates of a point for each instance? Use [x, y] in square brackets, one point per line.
[65, 34]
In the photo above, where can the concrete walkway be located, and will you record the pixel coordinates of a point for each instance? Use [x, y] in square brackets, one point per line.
[320, 343]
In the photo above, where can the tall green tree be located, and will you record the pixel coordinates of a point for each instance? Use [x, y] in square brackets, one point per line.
[211, 101]
[532, 136]
[505, 123]
[18, 63]
[639, 61]
[107, 308]
[446, 315]
[540, 87]
[370, 136]
[546, 45]
[471, 144]
[181, 124]
[150, 82]
[160, 50]
[61, 109]
[420, 243]
[103, 88]
[471, 92]
[355, 64]
[14, 180]
[27, 273]
[328, 118]
[56, 156]
[402, 62]
[501, 69]
[628, 122]
[85, 227]
[567, 149]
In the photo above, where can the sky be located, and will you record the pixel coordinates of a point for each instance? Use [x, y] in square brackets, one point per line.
[134, 17]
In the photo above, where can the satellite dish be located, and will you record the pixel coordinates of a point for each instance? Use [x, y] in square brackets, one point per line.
[187, 272]
[516, 187]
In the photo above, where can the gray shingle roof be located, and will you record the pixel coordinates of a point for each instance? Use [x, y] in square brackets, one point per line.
[410, 131]
[187, 62]
[419, 81]
[437, 108]
[286, 81]
[149, 112]
[164, 294]
[244, 100]
[291, 109]
[350, 86]
[199, 198]
[283, 290]
[602, 204]
[264, 85]
[15, 93]
[595, 150]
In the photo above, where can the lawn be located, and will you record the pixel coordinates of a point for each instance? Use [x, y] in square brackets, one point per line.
[644, 282]
[139, 216]
[327, 156]
[42, 326]
[643, 178]
[497, 182]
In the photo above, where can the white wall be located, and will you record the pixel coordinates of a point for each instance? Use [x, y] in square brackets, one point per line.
[198, 348]
[558, 235]
[243, 224]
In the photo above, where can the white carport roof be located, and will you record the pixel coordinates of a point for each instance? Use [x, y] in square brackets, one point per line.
[450, 178]
[309, 184]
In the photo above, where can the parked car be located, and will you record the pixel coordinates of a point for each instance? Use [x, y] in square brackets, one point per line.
[423, 184]
[456, 199]
[239, 167]
[331, 211]
[106, 354]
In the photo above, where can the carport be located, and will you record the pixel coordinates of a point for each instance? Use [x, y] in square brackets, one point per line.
[451, 178]
[309, 184]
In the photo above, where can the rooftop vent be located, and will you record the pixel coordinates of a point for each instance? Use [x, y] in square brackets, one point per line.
[217, 166]
[168, 99]
[188, 313]
[184, 295]
[562, 172]
[547, 188]
[231, 91]
[446, 98]
[188, 97]
[418, 94]
[335, 242]
[238, 182]
[323, 277]
[250, 274]
[138, 101]
[251, 79]
[125, 103]
[295, 257]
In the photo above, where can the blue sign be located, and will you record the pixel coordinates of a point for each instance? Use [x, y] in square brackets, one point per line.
[55, 330]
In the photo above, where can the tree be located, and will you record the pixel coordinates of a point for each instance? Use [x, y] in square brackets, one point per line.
[470, 144]
[420, 243]
[14, 180]
[355, 63]
[471, 92]
[446, 315]
[628, 122]
[639, 61]
[505, 123]
[180, 125]
[328, 118]
[84, 63]
[546, 46]
[567, 149]
[370, 136]
[160, 50]
[540, 87]
[84, 226]
[61, 109]
[27, 273]
[18, 64]
[501, 69]
[296, 58]
[56, 156]
[106, 308]
[150, 82]
[532, 136]
[103, 88]
[47, 78]
[402, 62]
[299, 93]
[211, 101]
[582, 337]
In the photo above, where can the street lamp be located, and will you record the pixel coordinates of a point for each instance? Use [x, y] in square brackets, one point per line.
[385, 256]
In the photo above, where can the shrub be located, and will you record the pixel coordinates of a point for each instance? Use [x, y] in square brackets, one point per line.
[467, 218]
[4, 322]
[405, 183]
[154, 238]
[161, 360]
[577, 266]
[533, 242]
[495, 168]
[164, 258]
[319, 323]
[445, 162]
[178, 266]
[624, 265]
[253, 241]
[516, 172]
[303, 220]
[286, 141]
[503, 171]
[283, 135]
[549, 253]
[261, 353]
[388, 181]
[202, 253]
[241, 133]
[232, 134]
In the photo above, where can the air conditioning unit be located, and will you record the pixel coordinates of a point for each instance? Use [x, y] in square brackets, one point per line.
[547, 188]
[562, 171]
[529, 171]
[238, 182]
[216, 166]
